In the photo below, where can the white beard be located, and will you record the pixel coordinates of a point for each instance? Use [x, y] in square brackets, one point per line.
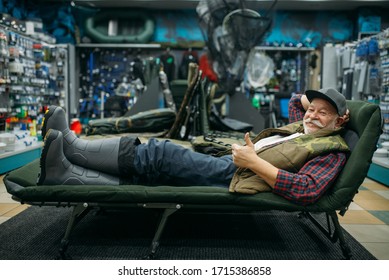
[307, 130]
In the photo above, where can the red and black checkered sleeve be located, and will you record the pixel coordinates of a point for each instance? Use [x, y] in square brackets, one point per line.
[295, 108]
[313, 179]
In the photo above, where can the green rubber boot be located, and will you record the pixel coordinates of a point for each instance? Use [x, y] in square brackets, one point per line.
[56, 169]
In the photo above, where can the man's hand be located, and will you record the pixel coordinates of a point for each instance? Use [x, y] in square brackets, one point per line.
[244, 156]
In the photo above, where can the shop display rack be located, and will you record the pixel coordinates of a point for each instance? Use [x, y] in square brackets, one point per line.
[33, 75]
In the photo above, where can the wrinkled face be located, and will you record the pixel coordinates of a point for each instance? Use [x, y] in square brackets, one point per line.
[320, 114]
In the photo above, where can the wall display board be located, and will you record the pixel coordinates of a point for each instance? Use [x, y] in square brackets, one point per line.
[360, 70]
[113, 77]
[380, 166]
[33, 75]
[384, 100]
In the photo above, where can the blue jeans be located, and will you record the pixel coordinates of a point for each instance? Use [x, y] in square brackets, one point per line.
[166, 163]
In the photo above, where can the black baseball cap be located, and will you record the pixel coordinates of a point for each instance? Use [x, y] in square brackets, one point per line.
[331, 95]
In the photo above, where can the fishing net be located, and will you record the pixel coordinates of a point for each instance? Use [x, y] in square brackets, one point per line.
[231, 30]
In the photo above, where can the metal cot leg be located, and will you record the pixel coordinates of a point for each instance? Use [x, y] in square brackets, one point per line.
[169, 210]
[79, 211]
[332, 235]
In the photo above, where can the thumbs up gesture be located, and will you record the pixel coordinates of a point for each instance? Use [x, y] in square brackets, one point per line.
[248, 140]
[244, 156]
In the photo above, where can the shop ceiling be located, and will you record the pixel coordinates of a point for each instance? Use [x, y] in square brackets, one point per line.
[252, 4]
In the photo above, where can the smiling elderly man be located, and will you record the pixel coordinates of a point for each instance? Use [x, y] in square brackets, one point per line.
[299, 161]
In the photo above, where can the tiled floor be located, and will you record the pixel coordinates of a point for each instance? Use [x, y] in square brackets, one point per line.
[367, 219]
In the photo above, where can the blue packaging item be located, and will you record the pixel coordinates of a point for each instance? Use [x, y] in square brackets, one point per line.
[284, 104]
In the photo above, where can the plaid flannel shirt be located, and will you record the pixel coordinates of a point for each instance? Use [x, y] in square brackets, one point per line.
[315, 177]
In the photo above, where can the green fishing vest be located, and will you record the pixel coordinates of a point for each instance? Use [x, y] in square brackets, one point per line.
[290, 155]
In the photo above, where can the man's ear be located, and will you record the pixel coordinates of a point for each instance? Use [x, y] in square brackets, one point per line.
[340, 121]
